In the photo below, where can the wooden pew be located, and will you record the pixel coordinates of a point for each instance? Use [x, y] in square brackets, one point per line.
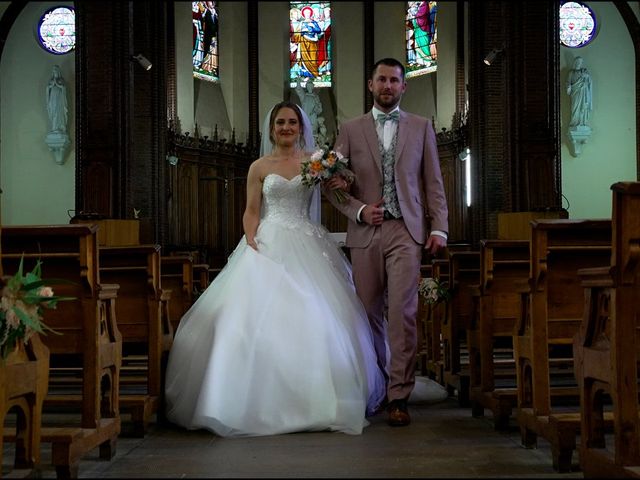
[552, 308]
[24, 377]
[421, 324]
[504, 268]
[464, 271]
[177, 275]
[201, 277]
[607, 347]
[143, 321]
[89, 340]
[433, 321]
[202, 272]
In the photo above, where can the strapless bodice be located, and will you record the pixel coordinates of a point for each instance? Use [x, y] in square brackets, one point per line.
[285, 201]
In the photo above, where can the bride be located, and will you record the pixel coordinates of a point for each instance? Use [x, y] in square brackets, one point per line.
[279, 342]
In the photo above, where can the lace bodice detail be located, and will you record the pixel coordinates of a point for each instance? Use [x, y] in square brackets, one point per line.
[285, 201]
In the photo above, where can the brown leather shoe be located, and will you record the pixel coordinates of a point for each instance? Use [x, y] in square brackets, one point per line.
[398, 413]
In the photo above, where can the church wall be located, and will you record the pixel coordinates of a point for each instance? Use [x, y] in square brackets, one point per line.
[635, 6]
[348, 60]
[346, 98]
[184, 62]
[273, 66]
[234, 68]
[36, 190]
[610, 154]
[445, 77]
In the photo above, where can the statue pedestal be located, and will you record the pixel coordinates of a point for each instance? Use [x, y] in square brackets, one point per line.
[57, 143]
[579, 136]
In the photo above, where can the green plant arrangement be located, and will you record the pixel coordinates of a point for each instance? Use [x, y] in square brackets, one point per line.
[23, 298]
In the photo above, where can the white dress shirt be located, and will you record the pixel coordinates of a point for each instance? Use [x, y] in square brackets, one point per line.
[387, 131]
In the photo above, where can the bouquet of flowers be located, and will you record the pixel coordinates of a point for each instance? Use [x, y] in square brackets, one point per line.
[21, 303]
[433, 290]
[324, 164]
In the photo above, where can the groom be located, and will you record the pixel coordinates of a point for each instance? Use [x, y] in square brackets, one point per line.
[396, 208]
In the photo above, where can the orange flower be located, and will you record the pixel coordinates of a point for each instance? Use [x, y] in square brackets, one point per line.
[316, 166]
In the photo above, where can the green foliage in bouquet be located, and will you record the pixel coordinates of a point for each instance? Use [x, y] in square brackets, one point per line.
[23, 298]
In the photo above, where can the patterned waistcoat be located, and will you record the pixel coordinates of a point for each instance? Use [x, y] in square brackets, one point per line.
[389, 193]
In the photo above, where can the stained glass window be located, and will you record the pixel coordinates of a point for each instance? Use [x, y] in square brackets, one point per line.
[577, 24]
[310, 43]
[422, 38]
[205, 40]
[57, 30]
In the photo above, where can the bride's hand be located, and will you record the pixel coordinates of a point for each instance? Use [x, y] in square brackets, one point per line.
[252, 243]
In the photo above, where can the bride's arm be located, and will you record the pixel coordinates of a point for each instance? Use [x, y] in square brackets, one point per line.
[251, 217]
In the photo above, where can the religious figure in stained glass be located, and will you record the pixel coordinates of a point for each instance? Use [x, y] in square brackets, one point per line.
[421, 37]
[310, 42]
[205, 40]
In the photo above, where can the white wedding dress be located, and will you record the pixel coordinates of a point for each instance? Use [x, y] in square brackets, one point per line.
[279, 342]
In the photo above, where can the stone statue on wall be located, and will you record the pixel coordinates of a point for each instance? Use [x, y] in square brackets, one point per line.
[57, 107]
[579, 89]
[322, 139]
[58, 112]
[310, 103]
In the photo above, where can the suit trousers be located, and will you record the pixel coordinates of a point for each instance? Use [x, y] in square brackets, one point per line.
[390, 265]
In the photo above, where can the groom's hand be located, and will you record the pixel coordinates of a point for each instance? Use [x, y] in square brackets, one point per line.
[373, 214]
[337, 182]
[435, 243]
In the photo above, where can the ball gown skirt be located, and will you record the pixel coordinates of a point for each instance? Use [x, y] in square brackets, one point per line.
[279, 342]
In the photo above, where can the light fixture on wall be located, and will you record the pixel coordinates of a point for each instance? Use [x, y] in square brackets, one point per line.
[492, 55]
[143, 61]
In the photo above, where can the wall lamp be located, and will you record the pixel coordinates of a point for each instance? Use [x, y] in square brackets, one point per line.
[491, 56]
[143, 61]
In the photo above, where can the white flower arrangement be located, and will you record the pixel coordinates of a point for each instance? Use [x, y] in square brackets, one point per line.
[433, 290]
[324, 164]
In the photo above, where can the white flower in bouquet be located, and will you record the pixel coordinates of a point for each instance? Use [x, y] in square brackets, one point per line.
[324, 164]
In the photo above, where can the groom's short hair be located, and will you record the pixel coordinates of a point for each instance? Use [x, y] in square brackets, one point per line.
[389, 62]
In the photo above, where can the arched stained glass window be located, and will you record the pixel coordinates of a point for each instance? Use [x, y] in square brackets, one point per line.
[57, 30]
[310, 43]
[205, 40]
[422, 38]
[577, 24]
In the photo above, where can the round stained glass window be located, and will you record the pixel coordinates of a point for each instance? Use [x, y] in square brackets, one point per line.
[57, 30]
[577, 24]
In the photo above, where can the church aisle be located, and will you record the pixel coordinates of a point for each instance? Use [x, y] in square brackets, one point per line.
[443, 440]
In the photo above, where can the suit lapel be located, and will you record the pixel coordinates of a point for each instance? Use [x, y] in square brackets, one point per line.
[371, 136]
[403, 134]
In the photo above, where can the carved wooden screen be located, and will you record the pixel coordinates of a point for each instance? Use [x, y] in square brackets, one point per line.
[207, 195]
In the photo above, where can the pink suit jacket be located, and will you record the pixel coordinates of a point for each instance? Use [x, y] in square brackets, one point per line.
[417, 175]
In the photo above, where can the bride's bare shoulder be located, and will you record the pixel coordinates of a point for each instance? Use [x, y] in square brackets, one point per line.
[260, 166]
